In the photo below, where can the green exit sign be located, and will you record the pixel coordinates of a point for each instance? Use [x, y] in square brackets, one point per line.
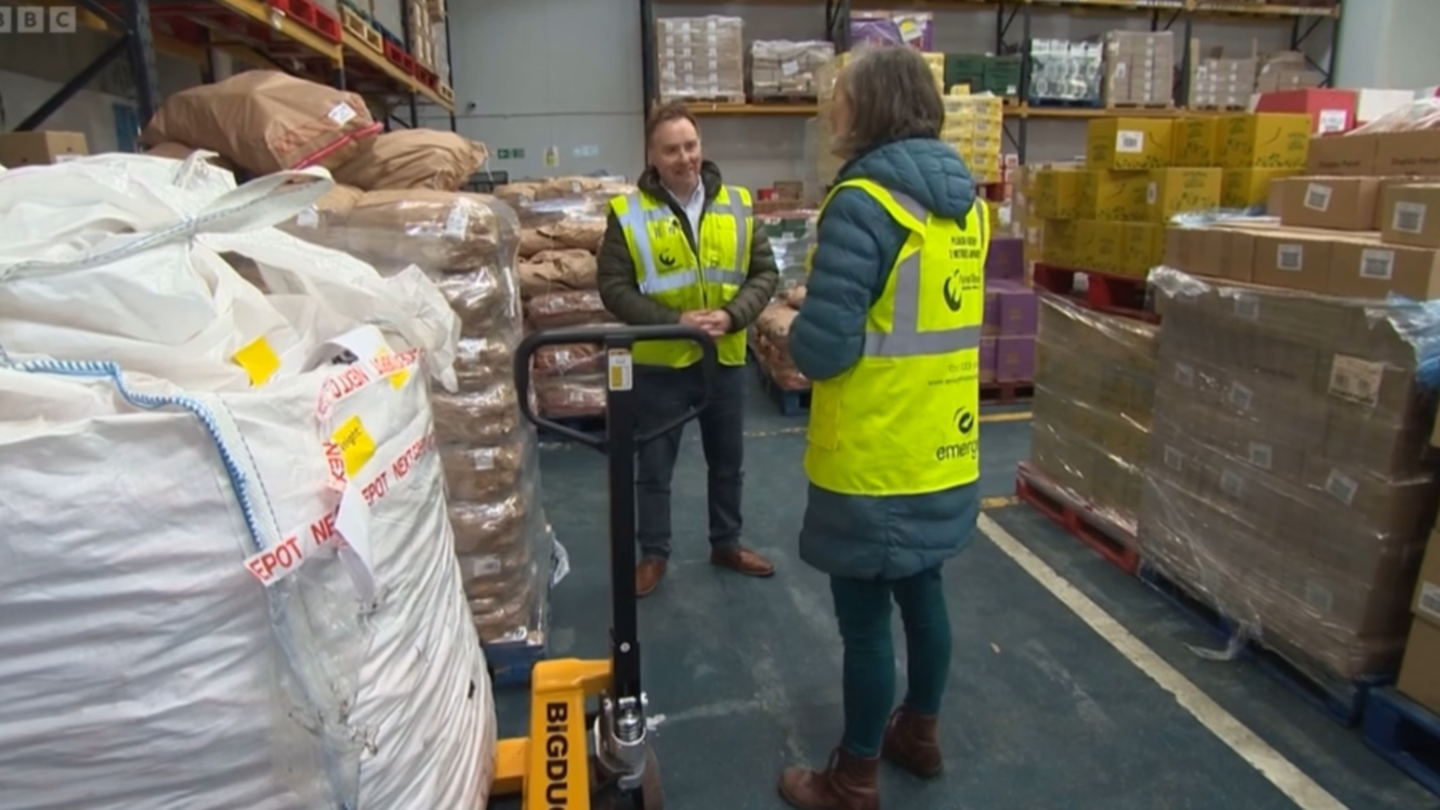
[503, 154]
[510, 154]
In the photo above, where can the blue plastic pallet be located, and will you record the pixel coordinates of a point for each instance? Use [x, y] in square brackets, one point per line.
[512, 662]
[1405, 734]
[1343, 701]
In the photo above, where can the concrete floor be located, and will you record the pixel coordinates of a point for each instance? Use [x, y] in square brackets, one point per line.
[1042, 712]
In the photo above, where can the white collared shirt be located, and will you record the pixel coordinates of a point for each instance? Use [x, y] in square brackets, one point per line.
[693, 208]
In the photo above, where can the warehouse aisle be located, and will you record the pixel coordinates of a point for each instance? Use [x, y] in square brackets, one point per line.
[1043, 712]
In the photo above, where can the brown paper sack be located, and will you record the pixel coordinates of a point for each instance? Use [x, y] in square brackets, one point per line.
[414, 158]
[266, 121]
[444, 231]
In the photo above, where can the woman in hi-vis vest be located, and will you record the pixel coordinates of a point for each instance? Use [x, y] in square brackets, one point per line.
[889, 336]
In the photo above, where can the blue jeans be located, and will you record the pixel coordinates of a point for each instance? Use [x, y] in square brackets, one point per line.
[863, 610]
[665, 394]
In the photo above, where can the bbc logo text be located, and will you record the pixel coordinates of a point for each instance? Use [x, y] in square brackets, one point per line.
[38, 19]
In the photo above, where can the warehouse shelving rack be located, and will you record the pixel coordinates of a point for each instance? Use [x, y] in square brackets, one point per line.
[1306, 22]
[260, 33]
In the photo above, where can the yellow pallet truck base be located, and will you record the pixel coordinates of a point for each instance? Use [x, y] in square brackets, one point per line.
[576, 757]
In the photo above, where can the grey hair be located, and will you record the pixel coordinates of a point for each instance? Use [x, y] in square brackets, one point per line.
[892, 96]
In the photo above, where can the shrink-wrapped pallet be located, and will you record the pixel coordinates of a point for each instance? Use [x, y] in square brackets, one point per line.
[228, 575]
[467, 244]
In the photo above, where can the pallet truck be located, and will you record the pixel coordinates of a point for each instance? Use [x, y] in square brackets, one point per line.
[578, 758]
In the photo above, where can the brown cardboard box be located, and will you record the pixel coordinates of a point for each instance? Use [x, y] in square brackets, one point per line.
[1332, 203]
[1263, 140]
[1420, 672]
[1175, 191]
[40, 148]
[1294, 260]
[1416, 152]
[1410, 214]
[1367, 268]
[1427, 590]
[1346, 155]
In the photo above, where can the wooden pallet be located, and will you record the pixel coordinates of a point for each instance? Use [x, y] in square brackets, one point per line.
[1005, 393]
[1076, 104]
[1137, 105]
[697, 100]
[1081, 520]
[356, 26]
[783, 98]
[1343, 700]
[1405, 734]
[1105, 292]
[446, 93]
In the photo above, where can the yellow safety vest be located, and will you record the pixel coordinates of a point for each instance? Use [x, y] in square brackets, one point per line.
[905, 419]
[668, 271]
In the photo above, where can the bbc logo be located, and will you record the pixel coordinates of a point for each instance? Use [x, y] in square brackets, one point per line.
[37, 19]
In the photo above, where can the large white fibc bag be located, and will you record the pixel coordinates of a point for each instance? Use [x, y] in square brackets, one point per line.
[225, 582]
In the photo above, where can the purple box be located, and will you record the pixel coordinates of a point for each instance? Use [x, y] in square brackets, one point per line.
[987, 359]
[1006, 259]
[1019, 311]
[881, 28]
[1014, 359]
[991, 324]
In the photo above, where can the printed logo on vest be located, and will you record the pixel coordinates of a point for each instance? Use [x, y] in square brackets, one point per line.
[964, 421]
[666, 259]
[968, 447]
[954, 298]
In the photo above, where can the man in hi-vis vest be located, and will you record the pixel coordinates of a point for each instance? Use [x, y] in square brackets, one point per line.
[684, 249]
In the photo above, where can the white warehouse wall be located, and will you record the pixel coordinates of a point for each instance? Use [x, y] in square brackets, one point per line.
[1391, 45]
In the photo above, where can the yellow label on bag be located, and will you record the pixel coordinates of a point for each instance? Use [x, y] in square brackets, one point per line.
[398, 375]
[259, 361]
[355, 444]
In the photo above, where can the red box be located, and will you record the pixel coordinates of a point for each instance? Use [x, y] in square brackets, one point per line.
[1330, 110]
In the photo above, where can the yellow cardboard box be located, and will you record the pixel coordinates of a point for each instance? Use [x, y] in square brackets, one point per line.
[1242, 188]
[1144, 248]
[1194, 141]
[1056, 192]
[1100, 245]
[1129, 143]
[1176, 191]
[1263, 140]
[1113, 195]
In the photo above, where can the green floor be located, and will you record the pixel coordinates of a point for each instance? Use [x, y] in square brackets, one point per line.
[1043, 712]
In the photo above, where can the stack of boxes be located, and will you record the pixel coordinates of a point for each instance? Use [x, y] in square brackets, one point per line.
[1139, 69]
[1287, 482]
[883, 28]
[1065, 71]
[1218, 83]
[422, 35]
[975, 126]
[785, 69]
[1007, 347]
[701, 58]
[1420, 670]
[1094, 393]
[983, 73]
[1109, 216]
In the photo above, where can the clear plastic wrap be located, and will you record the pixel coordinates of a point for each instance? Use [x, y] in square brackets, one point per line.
[1064, 70]
[1094, 393]
[543, 202]
[467, 243]
[571, 308]
[1287, 482]
[557, 271]
[1421, 114]
[701, 58]
[770, 338]
[781, 68]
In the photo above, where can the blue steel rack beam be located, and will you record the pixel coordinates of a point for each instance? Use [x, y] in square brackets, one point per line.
[135, 42]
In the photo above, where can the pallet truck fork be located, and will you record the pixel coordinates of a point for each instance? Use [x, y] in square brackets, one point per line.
[577, 758]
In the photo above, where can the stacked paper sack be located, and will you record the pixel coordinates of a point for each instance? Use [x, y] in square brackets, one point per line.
[230, 572]
[563, 221]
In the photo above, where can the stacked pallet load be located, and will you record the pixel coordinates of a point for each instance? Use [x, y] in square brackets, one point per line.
[787, 71]
[982, 73]
[1065, 73]
[422, 34]
[1090, 436]
[701, 58]
[1007, 343]
[1108, 217]
[1139, 69]
[975, 126]
[563, 225]
[1289, 483]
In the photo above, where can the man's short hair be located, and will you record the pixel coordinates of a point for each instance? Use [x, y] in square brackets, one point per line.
[892, 96]
[664, 114]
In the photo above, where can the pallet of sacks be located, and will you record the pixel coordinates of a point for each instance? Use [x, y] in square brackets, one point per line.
[562, 225]
[468, 244]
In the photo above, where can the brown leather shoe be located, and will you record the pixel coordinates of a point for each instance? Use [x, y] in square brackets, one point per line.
[743, 560]
[847, 783]
[647, 575]
[913, 743]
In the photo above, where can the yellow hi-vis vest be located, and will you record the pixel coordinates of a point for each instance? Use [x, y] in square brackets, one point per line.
[668, 270]
[905, 419]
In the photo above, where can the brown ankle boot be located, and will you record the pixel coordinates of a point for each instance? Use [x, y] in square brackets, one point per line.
[847, 783]
[913, 743]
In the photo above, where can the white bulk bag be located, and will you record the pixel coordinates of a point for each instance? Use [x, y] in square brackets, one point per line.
[143, 661]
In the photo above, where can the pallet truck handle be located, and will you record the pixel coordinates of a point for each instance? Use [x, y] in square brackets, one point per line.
[612, 337]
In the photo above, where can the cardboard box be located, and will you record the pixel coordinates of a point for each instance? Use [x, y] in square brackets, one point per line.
[1416, 152]
[1263, 140]
[1344, 155]
[1420, 671]
[40, 148]
[1247, 188]
[1333, 203]
[1015, 359]
[1144, 247]
[1330, 110]
[1111, 195]
[1367, 268]
[1057, 193]
[1293, 260]
[1176, 191]
[1410, 214]
[1100, 245]
[1194, 141]
[1129, 143]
